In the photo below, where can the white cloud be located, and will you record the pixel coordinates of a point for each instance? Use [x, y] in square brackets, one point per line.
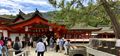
[42, 11]
[36, 2]
[26, 12]
[16, 5]
[3, 0]
[11, 4]
[4, 11]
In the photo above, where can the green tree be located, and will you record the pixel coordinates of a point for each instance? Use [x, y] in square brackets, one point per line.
[103, 12]
[75, 12]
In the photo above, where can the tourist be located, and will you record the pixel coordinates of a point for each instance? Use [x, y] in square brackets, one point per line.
[17, 46]
[5, 46]
[23, 42]
[2, 41]
[9, 43]
[67, 47]
[0, 49]
[26, 40]
[57, 45]
[44, 38]
[1, 45]
[40, 48]
[51, 43]
[31, 41]
[61, 43]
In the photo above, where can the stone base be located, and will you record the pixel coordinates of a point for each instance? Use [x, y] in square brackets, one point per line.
[81, 51]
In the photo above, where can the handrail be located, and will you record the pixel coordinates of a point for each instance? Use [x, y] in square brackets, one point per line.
[79, 39]
[23, 53]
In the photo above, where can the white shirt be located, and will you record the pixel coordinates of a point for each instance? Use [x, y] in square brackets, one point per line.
[57, 41]
[40, 47]
[67, 43]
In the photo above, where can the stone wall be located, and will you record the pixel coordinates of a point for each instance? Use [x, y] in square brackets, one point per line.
[79, 50]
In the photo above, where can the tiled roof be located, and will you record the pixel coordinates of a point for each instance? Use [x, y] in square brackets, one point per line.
[105, 30]
[81, 26]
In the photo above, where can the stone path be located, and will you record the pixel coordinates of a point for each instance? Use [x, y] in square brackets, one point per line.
[48, 53]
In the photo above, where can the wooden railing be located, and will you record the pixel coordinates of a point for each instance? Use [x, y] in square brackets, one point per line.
[87, 51]
[97, 52]
[23, 53]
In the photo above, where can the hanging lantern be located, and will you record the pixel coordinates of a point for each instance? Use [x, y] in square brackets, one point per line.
[55, 33]
[26, 28]
[50, 28]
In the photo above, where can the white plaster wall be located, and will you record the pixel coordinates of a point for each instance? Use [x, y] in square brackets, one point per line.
[13, 35]
[1, 31]
[0, 35]
[5, 33]
[21, 36]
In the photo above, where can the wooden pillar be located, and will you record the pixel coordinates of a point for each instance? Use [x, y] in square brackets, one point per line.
[102, 36]
[89, 35]
[8, 33]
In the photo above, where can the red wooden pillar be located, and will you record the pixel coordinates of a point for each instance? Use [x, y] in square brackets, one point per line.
[8, 33]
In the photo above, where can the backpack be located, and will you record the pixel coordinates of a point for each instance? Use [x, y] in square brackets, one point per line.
[16, 46]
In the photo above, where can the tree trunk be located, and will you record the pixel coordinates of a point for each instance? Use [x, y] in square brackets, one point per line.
[114, 21]
[113, 18]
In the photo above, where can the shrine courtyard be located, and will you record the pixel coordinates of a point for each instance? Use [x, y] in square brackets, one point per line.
[48, 53]
[99, 41]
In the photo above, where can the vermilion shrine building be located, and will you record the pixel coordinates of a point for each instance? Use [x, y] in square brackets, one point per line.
[37, 25]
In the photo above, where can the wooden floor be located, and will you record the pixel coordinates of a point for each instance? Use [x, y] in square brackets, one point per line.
[48, 53]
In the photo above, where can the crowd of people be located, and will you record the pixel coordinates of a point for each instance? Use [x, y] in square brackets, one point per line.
[17, 45]
[55, 44]
[42, 42]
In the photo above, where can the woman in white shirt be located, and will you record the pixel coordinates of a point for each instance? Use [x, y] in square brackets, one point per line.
[40, 48]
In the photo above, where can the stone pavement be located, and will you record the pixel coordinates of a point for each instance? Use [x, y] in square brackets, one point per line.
[48, 53]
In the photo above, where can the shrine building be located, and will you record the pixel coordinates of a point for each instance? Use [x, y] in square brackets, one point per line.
[36, 24]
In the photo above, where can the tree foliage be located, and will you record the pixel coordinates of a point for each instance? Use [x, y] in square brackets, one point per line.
[75, 11]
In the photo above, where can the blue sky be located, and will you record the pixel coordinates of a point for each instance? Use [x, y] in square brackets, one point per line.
[27, 6]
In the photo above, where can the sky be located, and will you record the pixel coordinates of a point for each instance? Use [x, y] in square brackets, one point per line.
[12, 6]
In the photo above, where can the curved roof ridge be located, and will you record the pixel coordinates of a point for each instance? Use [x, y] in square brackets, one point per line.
[37, 13]
[21, 13]
[19, 16]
